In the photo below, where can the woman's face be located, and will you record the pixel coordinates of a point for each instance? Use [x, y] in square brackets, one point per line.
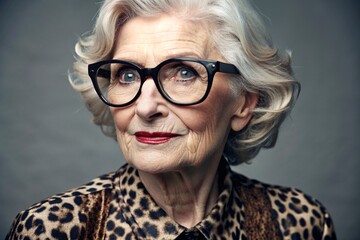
[157, 136]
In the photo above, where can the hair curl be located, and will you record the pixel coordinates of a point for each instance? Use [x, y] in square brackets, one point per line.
[241, 39]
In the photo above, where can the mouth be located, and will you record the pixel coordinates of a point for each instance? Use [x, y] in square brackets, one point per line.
[154, 137]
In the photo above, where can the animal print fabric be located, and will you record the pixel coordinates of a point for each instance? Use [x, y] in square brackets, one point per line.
[117, 206]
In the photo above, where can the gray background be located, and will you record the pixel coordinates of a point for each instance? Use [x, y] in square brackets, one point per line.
[48, 143]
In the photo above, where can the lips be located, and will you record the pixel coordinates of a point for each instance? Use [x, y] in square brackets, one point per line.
[154, 137]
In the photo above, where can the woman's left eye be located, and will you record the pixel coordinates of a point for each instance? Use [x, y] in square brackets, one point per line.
[186, 73]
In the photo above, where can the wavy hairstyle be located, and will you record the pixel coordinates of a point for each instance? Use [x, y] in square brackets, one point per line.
[238, 34]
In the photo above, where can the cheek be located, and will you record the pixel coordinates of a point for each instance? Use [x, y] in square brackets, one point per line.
[208, 126]
[214, 113]
[122, 118]
[210, 121]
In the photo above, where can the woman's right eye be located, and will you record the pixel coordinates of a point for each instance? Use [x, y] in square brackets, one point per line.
[126, 76]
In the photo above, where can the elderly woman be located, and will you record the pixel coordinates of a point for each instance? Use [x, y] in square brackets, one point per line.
[187, 88]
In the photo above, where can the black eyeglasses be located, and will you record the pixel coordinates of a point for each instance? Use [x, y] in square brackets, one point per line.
[181, 81]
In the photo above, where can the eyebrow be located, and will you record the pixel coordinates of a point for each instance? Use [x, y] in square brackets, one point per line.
[136, 59]
[129, 58]
[180, 54]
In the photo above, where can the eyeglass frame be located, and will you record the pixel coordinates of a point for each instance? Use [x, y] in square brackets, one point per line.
[211, 67]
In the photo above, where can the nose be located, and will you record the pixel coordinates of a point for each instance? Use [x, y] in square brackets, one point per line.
[150, 105]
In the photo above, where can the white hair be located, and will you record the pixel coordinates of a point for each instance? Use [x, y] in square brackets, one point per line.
[241, 39]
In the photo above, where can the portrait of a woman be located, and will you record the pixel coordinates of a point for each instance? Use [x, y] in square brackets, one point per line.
[187, 89]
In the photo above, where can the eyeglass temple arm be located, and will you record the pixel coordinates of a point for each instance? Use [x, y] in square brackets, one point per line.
[228, 68]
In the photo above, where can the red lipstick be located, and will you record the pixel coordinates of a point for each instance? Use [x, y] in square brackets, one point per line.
[154, 137]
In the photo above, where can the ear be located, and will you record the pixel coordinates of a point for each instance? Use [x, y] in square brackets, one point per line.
[243, 113]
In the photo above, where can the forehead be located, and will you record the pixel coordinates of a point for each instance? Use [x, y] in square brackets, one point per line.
[161, 37]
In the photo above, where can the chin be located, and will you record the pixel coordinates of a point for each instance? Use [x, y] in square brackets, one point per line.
[157, 163]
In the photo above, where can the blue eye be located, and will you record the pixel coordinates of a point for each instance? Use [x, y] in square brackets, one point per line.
[186, 73]
[127, 76]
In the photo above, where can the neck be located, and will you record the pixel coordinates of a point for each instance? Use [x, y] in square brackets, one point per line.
[187, 196]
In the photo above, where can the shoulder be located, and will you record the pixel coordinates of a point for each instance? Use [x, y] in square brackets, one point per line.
[296, 214]
[65, 213]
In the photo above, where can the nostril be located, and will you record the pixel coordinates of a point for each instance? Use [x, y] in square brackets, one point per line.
[156, 115]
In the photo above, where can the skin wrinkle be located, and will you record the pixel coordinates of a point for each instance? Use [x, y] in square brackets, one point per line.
[181, 174]
[164, 51]
[180, 207]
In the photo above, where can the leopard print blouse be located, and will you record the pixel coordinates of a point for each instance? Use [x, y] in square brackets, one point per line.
[117, 206]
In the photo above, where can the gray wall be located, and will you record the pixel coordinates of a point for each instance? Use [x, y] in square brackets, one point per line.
[48, 143]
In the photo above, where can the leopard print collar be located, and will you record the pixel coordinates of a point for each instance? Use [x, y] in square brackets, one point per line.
[149, 221]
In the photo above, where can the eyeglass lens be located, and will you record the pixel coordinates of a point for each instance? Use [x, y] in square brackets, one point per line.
[182, 81]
